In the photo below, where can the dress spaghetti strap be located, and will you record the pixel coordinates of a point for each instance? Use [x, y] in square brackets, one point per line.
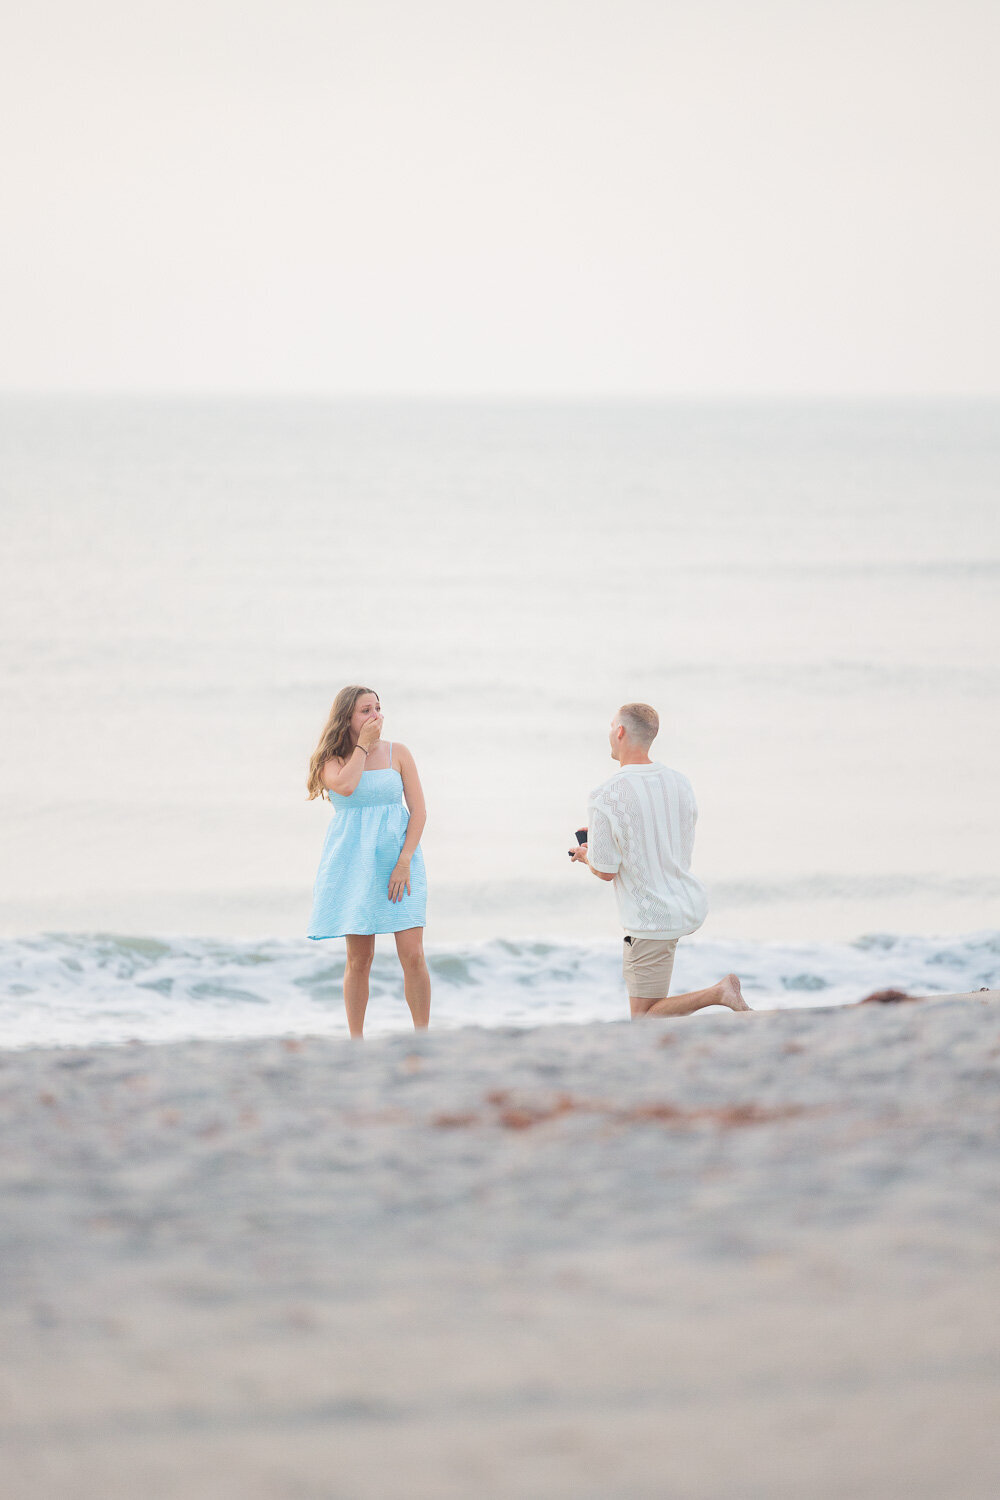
[390, 755]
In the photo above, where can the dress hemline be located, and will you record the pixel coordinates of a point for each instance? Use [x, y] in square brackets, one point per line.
[325, 937]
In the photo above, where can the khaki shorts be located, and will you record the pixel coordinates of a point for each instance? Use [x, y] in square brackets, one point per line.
[647, 965]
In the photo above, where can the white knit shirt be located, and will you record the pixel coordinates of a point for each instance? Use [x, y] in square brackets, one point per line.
[641, 830]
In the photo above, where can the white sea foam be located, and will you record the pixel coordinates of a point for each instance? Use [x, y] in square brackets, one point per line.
[82, 989]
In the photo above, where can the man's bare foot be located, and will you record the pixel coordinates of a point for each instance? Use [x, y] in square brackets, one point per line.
[731, 994]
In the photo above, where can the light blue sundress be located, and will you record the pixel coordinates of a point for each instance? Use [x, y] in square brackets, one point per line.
[363, 843]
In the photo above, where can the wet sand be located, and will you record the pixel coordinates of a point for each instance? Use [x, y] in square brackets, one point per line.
[729, 1256]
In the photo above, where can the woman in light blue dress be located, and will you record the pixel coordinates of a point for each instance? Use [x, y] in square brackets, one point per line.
[371, 872]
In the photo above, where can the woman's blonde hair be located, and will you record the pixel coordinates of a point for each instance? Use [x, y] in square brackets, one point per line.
[335, 741]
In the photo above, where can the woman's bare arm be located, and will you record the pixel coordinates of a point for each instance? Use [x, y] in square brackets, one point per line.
[399, 880]
[414, 794]
[343, 775]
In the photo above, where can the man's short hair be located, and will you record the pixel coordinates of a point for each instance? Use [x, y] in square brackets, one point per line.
[641, 722]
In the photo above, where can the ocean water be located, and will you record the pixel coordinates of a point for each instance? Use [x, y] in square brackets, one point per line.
[809, 594]
[81, 989]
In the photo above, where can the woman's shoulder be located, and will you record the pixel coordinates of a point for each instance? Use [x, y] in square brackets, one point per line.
[402, 756]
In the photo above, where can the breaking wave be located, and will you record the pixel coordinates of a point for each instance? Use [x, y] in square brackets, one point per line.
[83, 989]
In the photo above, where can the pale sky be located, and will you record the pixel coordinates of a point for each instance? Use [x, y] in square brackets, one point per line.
[622, 197]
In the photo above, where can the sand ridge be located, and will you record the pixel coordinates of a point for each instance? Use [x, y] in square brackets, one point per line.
[740, 1255]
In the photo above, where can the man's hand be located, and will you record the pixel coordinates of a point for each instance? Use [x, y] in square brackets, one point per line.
[579, 857]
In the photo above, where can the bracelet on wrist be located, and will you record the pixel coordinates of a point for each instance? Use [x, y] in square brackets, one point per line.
[364, 752]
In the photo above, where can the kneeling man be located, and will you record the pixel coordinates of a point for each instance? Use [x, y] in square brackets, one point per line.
[640, 836]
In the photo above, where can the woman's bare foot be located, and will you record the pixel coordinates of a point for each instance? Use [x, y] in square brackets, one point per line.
[731, 994]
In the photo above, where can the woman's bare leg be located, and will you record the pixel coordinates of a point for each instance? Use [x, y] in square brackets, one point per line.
[360, 952]
[416, 980]
[726, 992]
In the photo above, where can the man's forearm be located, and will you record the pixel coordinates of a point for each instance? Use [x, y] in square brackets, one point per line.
[599, 873]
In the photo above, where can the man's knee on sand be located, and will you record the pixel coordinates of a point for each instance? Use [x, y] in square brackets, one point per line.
[639, 1006]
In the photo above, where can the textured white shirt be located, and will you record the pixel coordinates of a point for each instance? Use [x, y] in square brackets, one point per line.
[641, 830]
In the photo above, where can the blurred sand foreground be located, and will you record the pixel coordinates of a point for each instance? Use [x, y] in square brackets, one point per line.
[731, 1256]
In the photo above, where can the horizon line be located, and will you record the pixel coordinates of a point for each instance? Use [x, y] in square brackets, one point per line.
[534, 397]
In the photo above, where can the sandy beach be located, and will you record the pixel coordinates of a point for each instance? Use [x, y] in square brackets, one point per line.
[724, 1257]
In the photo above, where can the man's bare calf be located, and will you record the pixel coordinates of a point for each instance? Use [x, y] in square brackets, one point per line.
[727, 992]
